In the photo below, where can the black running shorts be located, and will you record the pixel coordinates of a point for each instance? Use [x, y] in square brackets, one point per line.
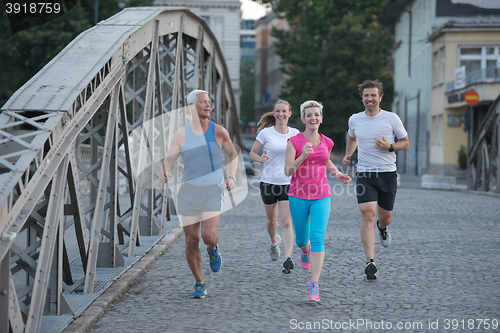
[272, 193]
[377, 186]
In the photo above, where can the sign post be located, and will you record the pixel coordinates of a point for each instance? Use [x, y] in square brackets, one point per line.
[471, 97]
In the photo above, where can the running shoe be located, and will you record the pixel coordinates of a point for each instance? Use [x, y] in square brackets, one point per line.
[274, 250]
[305, 258]
[385, 236]
[200, 289]
[370, 270]
[287, 266]
[314, 292]
[215, 259]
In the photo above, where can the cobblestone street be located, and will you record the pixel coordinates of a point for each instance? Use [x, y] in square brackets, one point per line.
[440, 274]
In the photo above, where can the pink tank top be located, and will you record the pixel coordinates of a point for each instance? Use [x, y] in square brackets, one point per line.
[309, 181]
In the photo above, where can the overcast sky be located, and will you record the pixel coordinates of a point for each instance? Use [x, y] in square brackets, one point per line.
[251, 10]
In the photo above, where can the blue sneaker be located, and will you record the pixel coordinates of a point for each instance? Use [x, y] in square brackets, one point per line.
[313, 292]
[215, 259]
[200, 289]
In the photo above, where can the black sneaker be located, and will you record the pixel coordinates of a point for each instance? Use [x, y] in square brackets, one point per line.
[287, 266]
[370, 270]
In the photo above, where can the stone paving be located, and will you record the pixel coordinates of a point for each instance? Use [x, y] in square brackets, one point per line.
[440, 274]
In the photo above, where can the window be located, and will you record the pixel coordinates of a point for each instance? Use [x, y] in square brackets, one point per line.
[443, 64]
[440, 129]
[207, 19]
[439, 61]
[435, 60]
[476, 58]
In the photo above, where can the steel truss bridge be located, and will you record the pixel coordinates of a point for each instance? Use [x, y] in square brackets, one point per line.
[65, 148]
[483, 160]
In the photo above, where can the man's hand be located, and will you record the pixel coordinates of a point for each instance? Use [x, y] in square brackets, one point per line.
[346, 160]
[165, 176]
[229, 184]
[382, 144]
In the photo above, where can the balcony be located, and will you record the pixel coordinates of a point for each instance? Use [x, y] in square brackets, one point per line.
[485, 75]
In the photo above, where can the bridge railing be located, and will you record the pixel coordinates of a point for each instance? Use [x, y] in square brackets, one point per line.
[483, 159]
[116, 92]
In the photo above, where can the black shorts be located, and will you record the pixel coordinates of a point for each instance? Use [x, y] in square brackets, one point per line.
[377, 186]
[194, 200]
[272, 193]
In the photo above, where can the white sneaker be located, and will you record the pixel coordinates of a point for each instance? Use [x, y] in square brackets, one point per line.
[385, 236]
[274, 250]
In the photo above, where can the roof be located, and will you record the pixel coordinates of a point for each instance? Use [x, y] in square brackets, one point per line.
[483, 24]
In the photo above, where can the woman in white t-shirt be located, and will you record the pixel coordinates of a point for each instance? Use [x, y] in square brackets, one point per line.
[272, 137]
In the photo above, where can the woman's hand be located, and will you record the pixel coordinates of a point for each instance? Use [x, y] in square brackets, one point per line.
[344, 178]
[264, 158]
[307, 149]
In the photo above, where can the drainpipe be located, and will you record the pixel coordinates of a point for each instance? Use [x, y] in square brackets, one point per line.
[409, 45]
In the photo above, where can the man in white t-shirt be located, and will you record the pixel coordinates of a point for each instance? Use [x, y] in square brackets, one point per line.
[373, 132]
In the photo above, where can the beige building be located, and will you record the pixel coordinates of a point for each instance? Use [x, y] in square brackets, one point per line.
[465, 56]
[424, 70]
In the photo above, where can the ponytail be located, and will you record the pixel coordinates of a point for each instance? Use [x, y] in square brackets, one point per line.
[267, 120]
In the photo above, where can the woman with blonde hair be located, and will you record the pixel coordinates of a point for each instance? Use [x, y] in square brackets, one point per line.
[307, 160]
[272, 137]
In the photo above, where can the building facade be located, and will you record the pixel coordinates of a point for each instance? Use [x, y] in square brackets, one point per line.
[422, 67]
[269, 79]
[465, 57]
[247, 40]
[223, 18]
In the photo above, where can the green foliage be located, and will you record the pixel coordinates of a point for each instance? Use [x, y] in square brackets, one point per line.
[462, 158]
[25, 52]
[247, 81]
[330, 48]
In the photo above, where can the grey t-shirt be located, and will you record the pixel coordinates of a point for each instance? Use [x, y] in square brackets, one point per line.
[365, 129]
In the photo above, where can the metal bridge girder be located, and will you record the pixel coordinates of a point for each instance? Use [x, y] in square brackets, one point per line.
[133, 84]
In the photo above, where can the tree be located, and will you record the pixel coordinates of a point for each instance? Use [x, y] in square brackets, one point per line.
[330, 48]
[247, 81]
[23, 53]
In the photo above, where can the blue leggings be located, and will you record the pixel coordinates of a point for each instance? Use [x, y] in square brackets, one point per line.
[319, 211]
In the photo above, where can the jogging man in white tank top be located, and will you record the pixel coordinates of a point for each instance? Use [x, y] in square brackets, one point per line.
[372, 132]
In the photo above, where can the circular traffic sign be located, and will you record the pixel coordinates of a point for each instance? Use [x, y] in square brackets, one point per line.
[471, 97]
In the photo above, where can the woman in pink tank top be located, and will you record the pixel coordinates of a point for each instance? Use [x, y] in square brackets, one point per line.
[307, 160]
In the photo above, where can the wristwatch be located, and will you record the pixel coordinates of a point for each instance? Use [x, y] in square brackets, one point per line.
[231, 177]
[391, 148]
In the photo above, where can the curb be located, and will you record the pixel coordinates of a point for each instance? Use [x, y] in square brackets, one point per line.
[120, 286]
[83, 322]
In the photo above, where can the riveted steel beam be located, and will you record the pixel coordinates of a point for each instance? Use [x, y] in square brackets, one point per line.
[78, 137]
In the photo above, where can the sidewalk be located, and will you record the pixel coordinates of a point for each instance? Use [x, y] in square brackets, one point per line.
[440, 270]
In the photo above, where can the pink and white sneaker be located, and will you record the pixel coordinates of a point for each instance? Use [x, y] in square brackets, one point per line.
[305, 258]
[314, 292]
